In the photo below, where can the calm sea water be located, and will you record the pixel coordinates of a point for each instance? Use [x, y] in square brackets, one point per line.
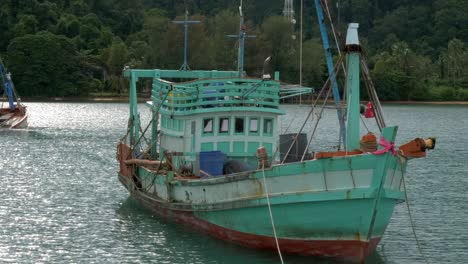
[60, 200]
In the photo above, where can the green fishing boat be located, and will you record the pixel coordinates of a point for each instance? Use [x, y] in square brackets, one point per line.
[212, 158]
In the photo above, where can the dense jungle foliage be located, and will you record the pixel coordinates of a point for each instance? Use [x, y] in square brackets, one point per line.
[416, 49]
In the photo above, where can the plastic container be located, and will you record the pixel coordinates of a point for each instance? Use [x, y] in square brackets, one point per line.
[297, 150]
[212, 162]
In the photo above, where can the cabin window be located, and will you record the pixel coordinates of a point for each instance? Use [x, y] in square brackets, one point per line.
[239, 125]
[224, 125]
[208, 126]
[268, 126]
[253, 128]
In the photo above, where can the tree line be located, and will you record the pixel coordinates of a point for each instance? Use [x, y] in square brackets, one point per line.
[416, 50]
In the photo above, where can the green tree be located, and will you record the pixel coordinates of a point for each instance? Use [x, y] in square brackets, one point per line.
[79, 8]
[405, 40]
[46, 64]
[26, 25]
[68, 25]
[400, 73]
[224, 49]
[46, 14]
[313, 63]
[279, 38]
[450, 21]
[117, 58]
[93, 35]
[453, 62]
[138, 55]
[155, 32]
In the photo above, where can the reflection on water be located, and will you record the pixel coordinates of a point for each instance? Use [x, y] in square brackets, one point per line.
[62, 202]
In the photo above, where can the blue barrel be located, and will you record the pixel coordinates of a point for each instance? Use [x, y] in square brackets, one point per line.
[212, 162]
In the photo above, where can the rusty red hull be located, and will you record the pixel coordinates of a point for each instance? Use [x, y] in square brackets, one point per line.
[349, 250]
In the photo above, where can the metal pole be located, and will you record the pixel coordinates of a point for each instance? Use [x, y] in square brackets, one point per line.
[242, 36]
[185, 65]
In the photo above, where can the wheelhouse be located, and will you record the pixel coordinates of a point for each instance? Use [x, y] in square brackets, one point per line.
[204, 111]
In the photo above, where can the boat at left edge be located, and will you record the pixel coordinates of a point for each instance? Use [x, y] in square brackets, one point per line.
[13, 113]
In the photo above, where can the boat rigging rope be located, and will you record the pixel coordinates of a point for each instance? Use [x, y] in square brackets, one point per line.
[410, 216]
[372, 94]
[265, 187]
[130, 123]
[319, 116]
[139, 139]
[143, 136]
[340, 59]
[290, 123]
[364, 123]
[149, 124]
[325, 3]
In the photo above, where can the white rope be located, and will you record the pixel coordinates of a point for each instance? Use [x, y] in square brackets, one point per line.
[333, 31]
[265, 187]
[332, 27]
[300, 59]
[410, 215]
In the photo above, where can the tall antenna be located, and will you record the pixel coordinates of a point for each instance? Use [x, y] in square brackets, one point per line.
[242, 36]
[300, 54]
[185, 66]
[288, 11]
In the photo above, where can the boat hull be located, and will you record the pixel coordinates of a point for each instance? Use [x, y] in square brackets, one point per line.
[15, 120]
[335, 207]
[333, 228]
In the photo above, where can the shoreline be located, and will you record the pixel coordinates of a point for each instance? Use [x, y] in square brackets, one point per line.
[109, 99]
[426, 102]
[124, 99]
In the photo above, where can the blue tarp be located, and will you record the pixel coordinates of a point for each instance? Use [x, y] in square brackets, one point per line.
[8, 86]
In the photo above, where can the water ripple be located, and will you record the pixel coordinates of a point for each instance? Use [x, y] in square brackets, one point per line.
[61, 200]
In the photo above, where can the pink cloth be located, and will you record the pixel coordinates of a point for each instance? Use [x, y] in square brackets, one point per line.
[388, 146]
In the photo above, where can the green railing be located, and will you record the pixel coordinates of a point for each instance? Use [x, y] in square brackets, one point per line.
[222, 92]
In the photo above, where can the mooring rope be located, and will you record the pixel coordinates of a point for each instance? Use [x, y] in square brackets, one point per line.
[265, 187]
[411, 217]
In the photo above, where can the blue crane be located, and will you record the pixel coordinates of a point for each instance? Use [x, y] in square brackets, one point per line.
[8, 86]
[331, 71]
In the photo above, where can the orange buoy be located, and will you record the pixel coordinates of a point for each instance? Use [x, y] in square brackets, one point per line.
[368, 142]
[262, 157]
[369, 137]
